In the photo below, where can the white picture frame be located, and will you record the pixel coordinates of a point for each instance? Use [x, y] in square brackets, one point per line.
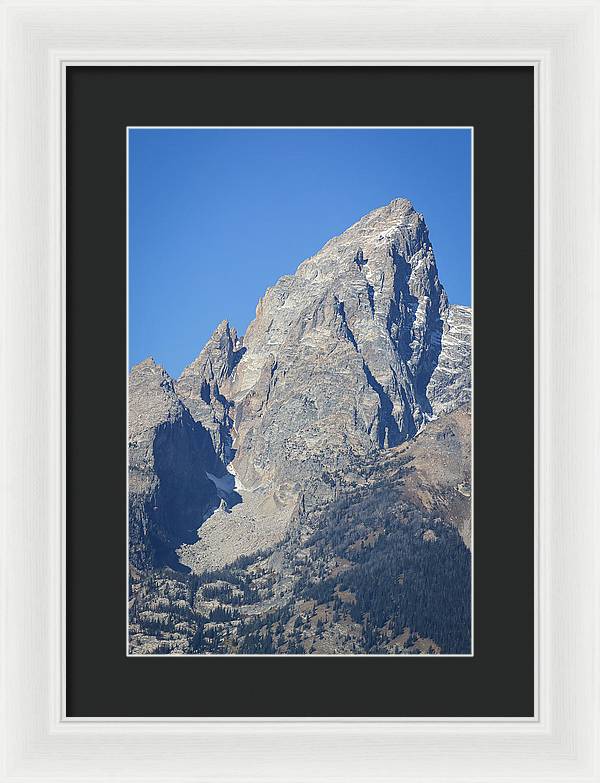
[560, 39]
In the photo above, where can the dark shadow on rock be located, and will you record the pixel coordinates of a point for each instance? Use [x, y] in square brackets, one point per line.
[388, 426]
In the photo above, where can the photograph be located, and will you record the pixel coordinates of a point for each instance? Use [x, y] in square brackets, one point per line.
[299, 391]
[301, 419]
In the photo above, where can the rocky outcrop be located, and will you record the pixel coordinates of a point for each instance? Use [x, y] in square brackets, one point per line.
[352, 354]
[340, 354]
[450, 383]
[200, 384]
[170, 494]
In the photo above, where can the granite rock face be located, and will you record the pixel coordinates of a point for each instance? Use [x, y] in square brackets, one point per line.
[169, 454]
[450, 383]
[200, 384]
[340, 354]
[352, 354]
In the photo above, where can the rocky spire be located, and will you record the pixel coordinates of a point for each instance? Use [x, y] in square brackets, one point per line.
[340, 354]
[201, 383]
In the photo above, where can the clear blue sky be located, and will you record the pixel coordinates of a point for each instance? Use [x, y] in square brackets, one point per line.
[217, 216]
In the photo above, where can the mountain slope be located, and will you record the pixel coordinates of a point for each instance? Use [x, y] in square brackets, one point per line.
[381, 569]
[340, 417]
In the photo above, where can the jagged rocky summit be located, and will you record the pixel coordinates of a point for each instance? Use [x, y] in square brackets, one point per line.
[353, 354]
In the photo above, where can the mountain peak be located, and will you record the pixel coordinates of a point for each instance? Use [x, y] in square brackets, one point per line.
[149, 367]
[223, 328]
[339, 359]
[396, 207]
[218, 356]
[149, 361]
[401, 203]
[273, 460]
[152, 396]
[342, 351]
[398, 210]
[396, 224]
[352, 354]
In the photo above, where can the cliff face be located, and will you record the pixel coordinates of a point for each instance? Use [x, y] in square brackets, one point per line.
[339, 355]
[450, 384]
[201, 383]
[169, 454]
[352, 354]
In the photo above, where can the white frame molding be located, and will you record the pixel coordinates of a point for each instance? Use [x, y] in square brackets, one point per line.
[560, 38]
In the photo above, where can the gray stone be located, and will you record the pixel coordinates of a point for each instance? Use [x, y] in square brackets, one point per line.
[169, 453]
[352, 354]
